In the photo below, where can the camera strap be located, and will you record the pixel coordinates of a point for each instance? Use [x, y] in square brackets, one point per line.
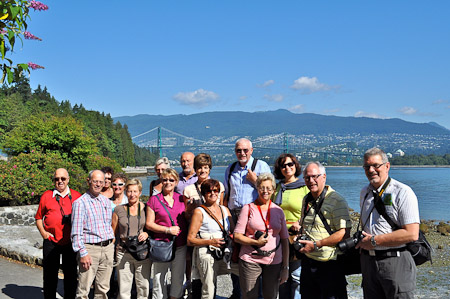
[58, 199]
[138, 217]
[199, 193]
[222, 227]
[378, 204]
[317, 207]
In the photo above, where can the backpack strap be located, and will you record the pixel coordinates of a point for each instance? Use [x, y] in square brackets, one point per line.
[253, 167]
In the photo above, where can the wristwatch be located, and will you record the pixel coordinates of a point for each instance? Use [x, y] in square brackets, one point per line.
[373, 242]
[315, 246]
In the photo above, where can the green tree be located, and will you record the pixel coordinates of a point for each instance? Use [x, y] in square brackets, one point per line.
[63, 135]
[14, 15]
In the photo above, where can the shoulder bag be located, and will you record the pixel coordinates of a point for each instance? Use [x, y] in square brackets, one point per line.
[420, 249]
[162, 251]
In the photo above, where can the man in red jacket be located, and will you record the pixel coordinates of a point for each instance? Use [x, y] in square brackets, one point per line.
[53, 220]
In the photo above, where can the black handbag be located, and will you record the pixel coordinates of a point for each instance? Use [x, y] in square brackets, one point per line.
[139, 250]
[162, 251]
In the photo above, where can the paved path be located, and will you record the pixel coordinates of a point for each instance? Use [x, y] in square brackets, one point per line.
[20, 281]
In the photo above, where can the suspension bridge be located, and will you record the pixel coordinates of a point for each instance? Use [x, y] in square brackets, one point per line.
[166, 142]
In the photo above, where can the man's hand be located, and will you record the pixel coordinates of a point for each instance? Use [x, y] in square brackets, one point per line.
[309, 246]
[365, 242]
[86, 262]
[46, 235]
[251, 177]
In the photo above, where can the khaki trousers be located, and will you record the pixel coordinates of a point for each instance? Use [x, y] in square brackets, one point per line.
[130, 267]
[100, 270]
[177, 268]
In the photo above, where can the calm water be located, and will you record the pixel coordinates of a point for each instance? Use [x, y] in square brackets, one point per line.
[430, 185]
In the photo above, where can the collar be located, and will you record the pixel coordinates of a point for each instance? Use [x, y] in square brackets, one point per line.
[379, 188]
[183, 176]
[62, 194]
[248, 165]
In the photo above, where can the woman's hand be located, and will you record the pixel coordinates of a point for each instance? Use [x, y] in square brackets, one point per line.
[142, 236]
[262, 240]
[173, 230]
[295, 226]
[284, 275]
[219, 242]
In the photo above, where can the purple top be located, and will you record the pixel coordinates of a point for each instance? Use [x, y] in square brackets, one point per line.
[185, 182]
[177, 213]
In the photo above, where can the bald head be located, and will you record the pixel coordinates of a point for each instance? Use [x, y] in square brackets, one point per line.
[187, 163]
[61, 179]
[96, 181]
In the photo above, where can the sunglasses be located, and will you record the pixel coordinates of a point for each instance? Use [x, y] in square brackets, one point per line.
[170, 180]
[62, 179]
[118, 184]
[243, 150]
[289, 164]
[214, 190]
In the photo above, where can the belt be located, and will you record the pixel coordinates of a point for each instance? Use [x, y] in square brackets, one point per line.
[103, 243]
[395, 252]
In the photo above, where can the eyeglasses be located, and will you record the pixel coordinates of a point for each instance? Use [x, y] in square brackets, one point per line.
[241, 150]
[289, 164]
[375, 166]
[170, 180]
[214, 190]
[62, 179]
[314, 177]
[98, 182]
[118, 184]
[265, 189]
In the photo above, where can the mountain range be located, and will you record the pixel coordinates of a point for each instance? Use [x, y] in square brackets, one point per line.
[254, 124]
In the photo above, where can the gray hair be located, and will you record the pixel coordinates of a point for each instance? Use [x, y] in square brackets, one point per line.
[162, 160]
[376, 151]
[267, 176]
[318, 164]
[92, 171]
[243, 140]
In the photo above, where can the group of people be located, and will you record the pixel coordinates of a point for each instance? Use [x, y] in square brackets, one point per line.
[246, 227]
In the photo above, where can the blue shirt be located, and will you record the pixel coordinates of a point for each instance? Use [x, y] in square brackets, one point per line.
[243, 192]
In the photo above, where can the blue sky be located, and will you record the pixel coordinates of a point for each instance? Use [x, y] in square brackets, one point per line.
[385, 59]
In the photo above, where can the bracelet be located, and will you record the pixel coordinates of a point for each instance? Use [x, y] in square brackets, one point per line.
[167, 230]
[285, 268]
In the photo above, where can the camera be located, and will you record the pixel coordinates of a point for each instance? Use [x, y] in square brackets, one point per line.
[297, 245]
[350, 242]
[66, 219]
[258, 234]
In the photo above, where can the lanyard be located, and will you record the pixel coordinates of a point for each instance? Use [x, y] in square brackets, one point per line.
[267, 220]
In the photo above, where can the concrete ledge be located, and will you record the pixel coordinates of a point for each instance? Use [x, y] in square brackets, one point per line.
[22, 243]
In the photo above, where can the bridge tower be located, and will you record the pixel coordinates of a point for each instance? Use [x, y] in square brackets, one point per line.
[286, 143]
[159, 143]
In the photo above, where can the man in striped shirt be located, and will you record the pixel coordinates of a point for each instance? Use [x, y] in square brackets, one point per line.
[93, 238]
[321, 276]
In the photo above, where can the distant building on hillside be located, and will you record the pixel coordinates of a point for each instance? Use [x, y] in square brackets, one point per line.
[399, 153]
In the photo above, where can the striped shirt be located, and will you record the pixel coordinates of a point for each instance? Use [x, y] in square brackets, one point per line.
[91, 221]
[401, 206]
[335, 210]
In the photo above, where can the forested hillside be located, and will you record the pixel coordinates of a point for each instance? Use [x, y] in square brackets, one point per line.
[40, 134]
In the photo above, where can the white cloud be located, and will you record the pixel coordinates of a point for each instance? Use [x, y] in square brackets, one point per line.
[243, 98]
[297, 108]
[309, 85]
[266, 84]
[407, 110]
[368, 114]
[198, 98]
[440, 101]
[274, 97]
